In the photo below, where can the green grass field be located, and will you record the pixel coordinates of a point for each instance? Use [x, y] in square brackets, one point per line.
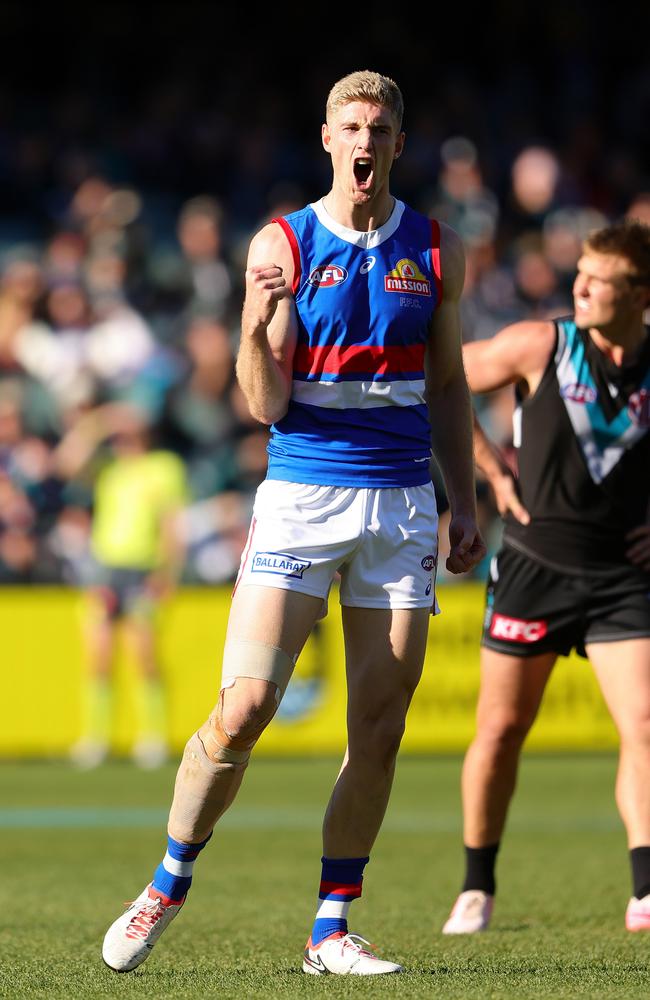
[75, 846]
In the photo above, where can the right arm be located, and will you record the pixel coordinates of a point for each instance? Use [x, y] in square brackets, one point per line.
[519, 353]
[269, 328]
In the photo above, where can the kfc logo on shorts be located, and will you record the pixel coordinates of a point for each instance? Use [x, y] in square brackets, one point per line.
[578, 393]
[327, 275]
[429, 563]
[517, 629]
[638, 408]
[280, 563]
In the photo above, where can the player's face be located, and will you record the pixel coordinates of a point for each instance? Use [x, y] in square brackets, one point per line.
[363, 142]
[603, 294]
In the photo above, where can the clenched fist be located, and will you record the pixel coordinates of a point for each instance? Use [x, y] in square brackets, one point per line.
[265, 287]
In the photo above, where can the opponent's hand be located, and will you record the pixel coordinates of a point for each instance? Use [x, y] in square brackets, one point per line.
[467, 546]
[265, 287]
[639, 550]
[507, 499]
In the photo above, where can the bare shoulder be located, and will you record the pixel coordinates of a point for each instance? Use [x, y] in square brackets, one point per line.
[520, 351]
[271, 246]
[452, 262]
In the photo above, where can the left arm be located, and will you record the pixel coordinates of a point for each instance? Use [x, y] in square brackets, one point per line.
[450, 410]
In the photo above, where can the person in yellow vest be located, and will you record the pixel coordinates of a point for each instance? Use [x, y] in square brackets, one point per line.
[138, 493]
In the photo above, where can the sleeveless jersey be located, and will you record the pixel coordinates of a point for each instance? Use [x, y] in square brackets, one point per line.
[583, 445]
[364, 301]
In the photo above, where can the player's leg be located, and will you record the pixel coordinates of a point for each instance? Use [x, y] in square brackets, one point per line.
[99, 628]
[623, 672]
[384, 655]
[140, 624]
[509, 698]
[267, 629]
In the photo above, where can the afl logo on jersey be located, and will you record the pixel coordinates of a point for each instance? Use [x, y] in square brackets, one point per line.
[327, 275]
[638, 408]
[407, 277]
[429, 562]
[578, 393]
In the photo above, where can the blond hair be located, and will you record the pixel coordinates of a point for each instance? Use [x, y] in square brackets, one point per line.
[364, 85]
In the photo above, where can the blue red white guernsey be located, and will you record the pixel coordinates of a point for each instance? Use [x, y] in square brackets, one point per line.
[358, 414]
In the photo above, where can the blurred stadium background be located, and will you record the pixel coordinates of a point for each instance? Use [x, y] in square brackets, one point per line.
[139, 150]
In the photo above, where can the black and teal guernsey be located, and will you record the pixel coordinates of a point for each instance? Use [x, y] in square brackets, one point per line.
[583, 446]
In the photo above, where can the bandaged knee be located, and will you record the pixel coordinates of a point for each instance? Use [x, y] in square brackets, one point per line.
[245, 659]
[215, 759]
[204, 790]
[258, 660]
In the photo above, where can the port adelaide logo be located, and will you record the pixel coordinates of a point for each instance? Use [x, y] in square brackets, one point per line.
[406, 277]
[327, 275]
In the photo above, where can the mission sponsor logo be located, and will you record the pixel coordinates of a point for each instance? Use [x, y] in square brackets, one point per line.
[406, 277]
[279, 563]
[578, 393]
[327, 275]
[517, 629]
[638, 408]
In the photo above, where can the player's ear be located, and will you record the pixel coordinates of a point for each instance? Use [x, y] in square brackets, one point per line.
[326, 137]
[399, 145]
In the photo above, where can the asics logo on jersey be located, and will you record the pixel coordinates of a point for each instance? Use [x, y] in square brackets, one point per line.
[578, 393]
[638, 408]
[327, 275]
[517, 629]
[407, 277]
[367, 265]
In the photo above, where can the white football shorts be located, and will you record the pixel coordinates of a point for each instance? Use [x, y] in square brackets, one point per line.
[383, 542]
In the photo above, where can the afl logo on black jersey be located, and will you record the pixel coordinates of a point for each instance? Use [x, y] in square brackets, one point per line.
[578, 393]
[638, 408]
[327, 275]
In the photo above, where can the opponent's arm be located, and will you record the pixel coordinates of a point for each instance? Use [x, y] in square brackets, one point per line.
[499, 475]
[268, 332]
[519, 353]
[450, 410]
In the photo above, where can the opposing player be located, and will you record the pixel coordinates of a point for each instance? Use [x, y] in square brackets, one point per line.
[351, 352]
[574, 570]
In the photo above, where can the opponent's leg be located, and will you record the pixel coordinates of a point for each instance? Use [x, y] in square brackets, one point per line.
[623, 672]
[384, 655]
[267, 629]
[509, 698]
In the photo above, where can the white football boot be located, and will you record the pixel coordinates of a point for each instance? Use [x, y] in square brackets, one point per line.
[471, 913]
[344, 955]
[637, 915]
[129, 941]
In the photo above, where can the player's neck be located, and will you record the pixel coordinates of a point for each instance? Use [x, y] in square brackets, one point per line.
[362, 218]
[619, 344]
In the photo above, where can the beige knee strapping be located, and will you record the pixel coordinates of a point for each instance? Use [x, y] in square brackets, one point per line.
[204, 790]
[249, 658]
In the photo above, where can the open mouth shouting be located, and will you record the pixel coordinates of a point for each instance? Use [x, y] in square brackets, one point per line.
[363, 172]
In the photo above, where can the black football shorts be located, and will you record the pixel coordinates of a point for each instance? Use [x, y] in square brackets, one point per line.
[532, 609]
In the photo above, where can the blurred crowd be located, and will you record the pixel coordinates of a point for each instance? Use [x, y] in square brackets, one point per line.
[122, 254]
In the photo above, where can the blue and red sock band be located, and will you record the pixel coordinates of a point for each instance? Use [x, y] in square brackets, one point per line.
[173, 876]
[341, 881]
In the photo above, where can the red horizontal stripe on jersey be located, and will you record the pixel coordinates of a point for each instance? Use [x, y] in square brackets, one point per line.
[364, 358]
[336, 889]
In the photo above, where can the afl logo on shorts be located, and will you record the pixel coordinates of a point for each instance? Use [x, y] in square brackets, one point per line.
[429, 563]
[327, 275]
[638, 408]
[578, 393]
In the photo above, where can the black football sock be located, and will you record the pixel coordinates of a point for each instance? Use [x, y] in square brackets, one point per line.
[480, 863]
[640, 861]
